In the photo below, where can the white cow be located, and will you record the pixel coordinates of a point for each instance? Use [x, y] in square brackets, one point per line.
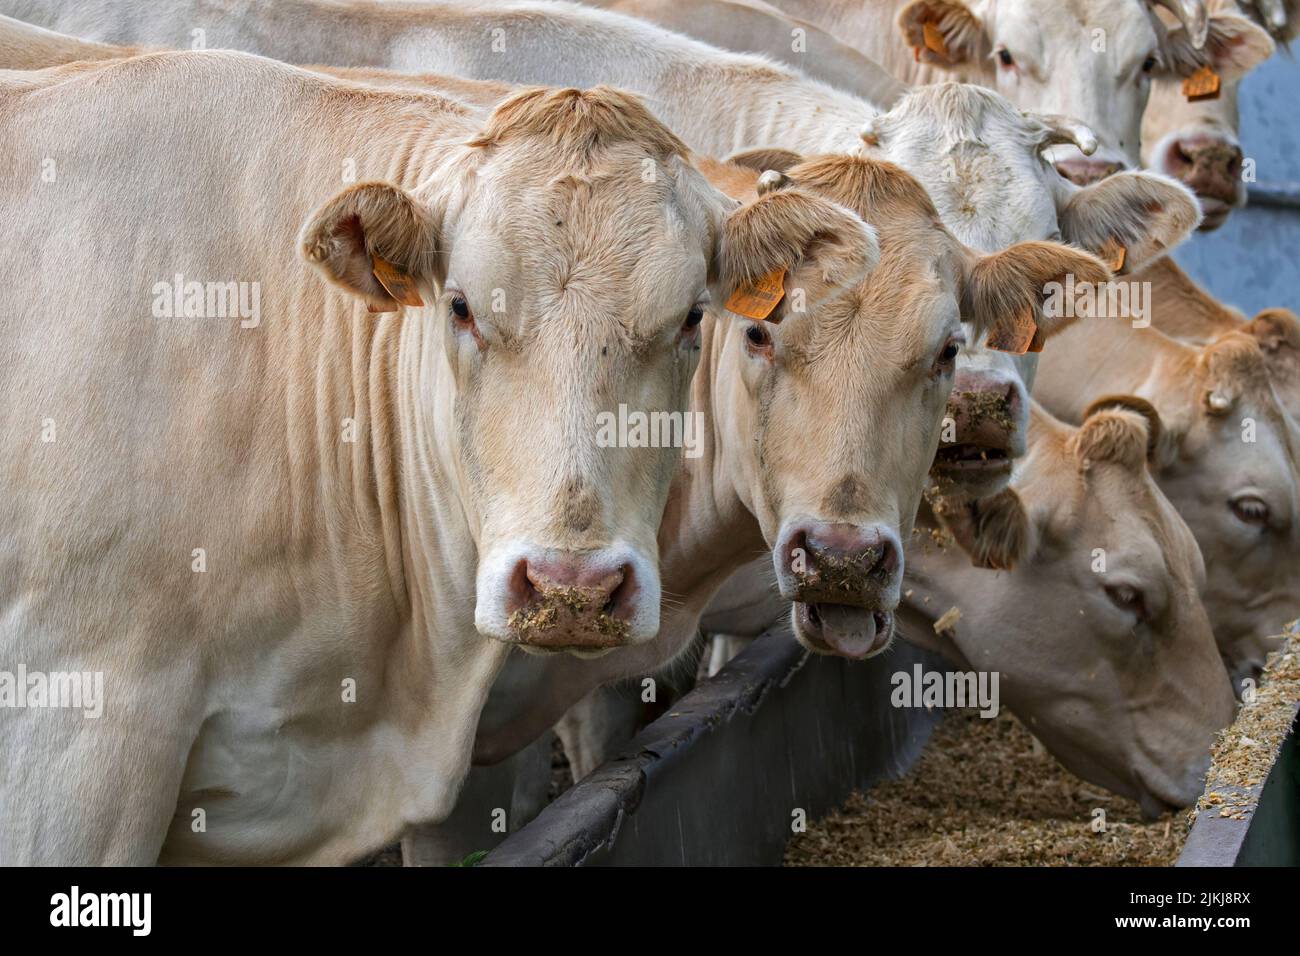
[268, 511]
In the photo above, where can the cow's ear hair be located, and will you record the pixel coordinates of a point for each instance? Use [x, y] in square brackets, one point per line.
[996, 532]
[763, 159]
[785, 227]
[1276, 329]
[1143, 214]
[1233, 47]
[1016, 295]
[956, 35]
[375, 241]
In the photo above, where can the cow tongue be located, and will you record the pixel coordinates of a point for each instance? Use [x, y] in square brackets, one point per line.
[853, 632]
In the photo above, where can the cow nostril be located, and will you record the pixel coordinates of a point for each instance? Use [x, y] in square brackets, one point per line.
[886, 560]
[622, 596]
[521, 589]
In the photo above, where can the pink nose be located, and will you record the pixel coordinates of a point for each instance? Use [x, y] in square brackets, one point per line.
[986, 409]
[843, 563]
[1208, 164]
[568, 602]
[1083, 171]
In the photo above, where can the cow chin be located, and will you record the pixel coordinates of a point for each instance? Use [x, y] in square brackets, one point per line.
[842, 629]
[556, 601]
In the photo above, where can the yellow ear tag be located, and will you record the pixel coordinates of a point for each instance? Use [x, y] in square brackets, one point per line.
[396, 282]
[1202, 85]
[757, 299]
[934, 41]
[1114, 255]
[1019, 336]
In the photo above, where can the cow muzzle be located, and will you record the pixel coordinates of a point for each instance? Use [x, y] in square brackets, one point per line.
[844, 582]
[1210, 165]
[988, 421]
[585, 603]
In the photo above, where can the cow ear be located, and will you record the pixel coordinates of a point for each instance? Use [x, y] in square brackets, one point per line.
[763, 159]
[1016, 295]
[1130, 218]
[943, 32]
[763, 239]
[374, 241]
[1277, 330]
[1233, 47]
[996, 532]
[1155, 430]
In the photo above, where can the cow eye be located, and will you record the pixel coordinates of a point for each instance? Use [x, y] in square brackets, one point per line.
[1005, 57]
[693, 317]
[460, 309]
[1128, 599]
[1250, 510]
[947, 358]
[758, 339]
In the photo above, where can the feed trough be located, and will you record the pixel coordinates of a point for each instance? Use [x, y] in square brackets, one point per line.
[777, 738]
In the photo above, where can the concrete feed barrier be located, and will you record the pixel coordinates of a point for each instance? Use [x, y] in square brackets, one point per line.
[1249, 814]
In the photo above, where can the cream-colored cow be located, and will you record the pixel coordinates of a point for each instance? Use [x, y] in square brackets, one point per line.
[271, 513]
[1227, 459]
[1092, 618]
[1196, 140]
[1193, 140]
[987, 178]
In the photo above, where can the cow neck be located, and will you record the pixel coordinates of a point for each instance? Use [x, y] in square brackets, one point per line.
[708, 528]
[404, 390]
[1181, 307]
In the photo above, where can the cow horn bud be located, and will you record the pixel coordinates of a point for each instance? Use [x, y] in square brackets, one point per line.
[1193, 16]
[1062, 129]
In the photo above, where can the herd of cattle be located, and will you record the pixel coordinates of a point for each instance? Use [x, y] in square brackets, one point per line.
[304, 517]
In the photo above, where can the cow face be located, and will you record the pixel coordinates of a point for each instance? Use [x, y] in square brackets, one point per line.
[1089, 59]
[567, 255]
[834, 410]
[1230, 466]
[1195, 141]
[993, 188]
[1099, 635]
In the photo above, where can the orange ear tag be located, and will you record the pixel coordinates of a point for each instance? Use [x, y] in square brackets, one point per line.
[1114, 255]
[397, 283]
[1018, 337]
[757, 299]
[934, 41]
[1202, 85]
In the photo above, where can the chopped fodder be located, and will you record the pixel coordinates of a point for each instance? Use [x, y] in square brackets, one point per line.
[572, 610]
[985, 793]
[1244, 753]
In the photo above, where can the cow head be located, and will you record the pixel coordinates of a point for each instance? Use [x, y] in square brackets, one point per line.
[1103, 646]
[1195, 140]
[981, 160]
[1230, 462]
[833, 410]
[1089, 59]
[566, 255]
